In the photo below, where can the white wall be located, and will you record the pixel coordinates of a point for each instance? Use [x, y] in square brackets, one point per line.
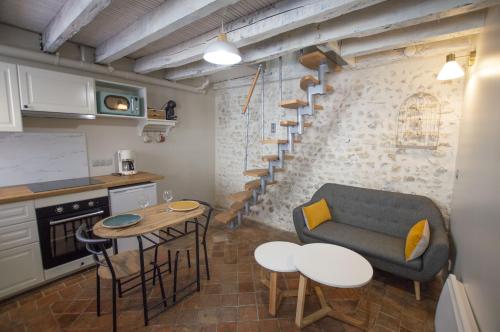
[352, 141]
[186, 159]
[475, 218]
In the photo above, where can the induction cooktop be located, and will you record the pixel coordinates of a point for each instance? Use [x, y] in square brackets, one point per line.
[62, 184]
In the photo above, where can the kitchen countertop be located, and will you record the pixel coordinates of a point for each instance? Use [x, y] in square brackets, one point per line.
[23, 193]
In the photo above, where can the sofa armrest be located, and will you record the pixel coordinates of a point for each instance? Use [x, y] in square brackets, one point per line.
[436, 256]
[298, 220]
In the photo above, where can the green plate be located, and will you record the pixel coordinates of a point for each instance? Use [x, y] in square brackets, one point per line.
[122, 220]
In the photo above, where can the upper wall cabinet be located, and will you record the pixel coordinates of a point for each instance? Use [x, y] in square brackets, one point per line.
[50, 91]
[10, 110]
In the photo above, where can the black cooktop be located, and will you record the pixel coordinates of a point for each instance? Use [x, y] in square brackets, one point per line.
[61, 184]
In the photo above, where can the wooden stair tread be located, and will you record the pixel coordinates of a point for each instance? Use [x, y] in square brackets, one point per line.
[278, 141]
[312, 60]
[296, 103]
[254, 184]
[279, 170]
[236, 206]
[257, 172]
[226, 216]
[241, 196]
[307, 80]
[274, 157]
[293, 103]
[291, 123]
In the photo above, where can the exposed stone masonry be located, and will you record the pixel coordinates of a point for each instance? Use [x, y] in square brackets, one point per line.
[352, 141]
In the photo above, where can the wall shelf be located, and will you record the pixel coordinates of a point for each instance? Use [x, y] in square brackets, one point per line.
[155, 125]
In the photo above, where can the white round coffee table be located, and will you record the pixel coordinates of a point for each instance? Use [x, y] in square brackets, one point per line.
[276, 256]
[333, 266]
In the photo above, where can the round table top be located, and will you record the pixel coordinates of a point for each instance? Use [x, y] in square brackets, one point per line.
[157, 217]
[277, 256]
[333, 265]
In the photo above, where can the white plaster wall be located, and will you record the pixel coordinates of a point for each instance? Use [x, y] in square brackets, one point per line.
[186, 159]
[352, 140]
[475, 222]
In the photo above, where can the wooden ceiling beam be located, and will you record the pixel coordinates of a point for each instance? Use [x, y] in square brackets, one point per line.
[162, 21]
[377, 19]
[283, 16]
[455, 45]
[447, 28]
[73, 16]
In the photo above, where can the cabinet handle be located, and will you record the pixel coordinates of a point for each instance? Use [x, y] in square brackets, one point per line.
[25, 106]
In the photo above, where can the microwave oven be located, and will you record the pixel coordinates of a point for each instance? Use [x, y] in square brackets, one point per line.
[118, 104]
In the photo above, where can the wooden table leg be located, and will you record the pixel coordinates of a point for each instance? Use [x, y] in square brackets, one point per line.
[273, 295]
[301, 299]
[325, 310]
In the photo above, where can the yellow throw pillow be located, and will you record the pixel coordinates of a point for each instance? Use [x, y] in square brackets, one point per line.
[316, 214]
[417, 240]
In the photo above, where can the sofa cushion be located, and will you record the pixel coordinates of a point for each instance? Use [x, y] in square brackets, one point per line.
[365, 242]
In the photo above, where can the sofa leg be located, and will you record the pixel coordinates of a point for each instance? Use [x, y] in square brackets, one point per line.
[417, 289]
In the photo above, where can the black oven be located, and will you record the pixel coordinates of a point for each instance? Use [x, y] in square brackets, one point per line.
[57, 227]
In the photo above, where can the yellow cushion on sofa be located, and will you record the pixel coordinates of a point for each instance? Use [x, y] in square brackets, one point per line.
[316, 214]
[417, 240]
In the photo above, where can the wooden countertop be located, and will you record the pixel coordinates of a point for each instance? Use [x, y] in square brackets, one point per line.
[23, 193]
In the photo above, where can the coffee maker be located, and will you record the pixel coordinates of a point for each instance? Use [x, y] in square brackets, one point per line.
[126, 163]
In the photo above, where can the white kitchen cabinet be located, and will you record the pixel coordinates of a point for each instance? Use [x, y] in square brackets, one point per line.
[10, 109]
[16, 213]
[51, 91]
[17, 235]
[21, 268]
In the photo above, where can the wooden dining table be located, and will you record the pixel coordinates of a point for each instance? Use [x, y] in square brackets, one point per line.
[154, 219]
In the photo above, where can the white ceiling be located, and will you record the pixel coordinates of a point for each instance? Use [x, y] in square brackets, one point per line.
[35, 15]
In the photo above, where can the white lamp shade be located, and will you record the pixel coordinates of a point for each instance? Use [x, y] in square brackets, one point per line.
[450, 70]
[222, 52]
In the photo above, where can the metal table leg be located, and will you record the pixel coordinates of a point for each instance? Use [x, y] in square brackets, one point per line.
[143, 281]
[196, 231]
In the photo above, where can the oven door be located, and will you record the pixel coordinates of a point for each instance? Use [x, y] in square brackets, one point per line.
[57, 235]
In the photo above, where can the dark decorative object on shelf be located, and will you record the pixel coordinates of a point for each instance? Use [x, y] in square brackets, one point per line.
[169, 108]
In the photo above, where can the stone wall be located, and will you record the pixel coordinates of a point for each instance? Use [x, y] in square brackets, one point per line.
[352, 141]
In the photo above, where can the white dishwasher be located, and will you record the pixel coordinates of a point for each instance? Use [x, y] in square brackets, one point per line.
[126, 199]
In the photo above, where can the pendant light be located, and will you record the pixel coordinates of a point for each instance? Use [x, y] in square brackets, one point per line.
[451, 69]
[221, 51]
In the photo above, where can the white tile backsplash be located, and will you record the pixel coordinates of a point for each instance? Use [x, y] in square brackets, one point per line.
[38, 157]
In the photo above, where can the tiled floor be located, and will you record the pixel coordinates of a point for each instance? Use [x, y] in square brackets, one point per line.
[233, 300]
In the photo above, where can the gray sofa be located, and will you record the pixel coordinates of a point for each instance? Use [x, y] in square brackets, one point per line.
[375, 223]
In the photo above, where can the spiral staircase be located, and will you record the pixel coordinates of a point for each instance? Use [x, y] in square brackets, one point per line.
[264, 177]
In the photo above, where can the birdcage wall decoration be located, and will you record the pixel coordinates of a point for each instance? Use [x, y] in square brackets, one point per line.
[418, 122]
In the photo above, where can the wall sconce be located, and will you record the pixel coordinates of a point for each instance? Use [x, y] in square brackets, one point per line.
[452, 69]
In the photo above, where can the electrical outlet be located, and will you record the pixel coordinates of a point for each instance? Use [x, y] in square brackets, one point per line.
[273, 128]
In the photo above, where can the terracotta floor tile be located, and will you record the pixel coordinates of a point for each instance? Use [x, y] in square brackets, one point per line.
[229, 300]
[247, 313]
[233, 300]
